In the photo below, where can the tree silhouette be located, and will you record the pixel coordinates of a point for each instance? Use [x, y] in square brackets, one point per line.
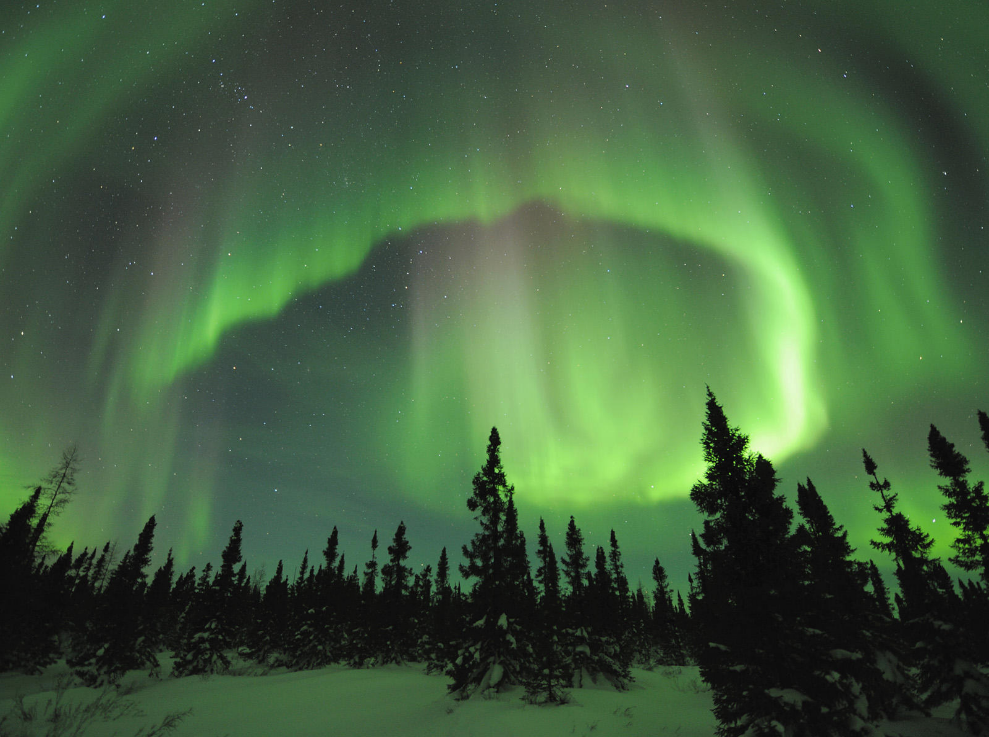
[967, 505]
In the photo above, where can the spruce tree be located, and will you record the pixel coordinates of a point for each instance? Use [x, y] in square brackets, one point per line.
[746, 606]
[209, 626]
[395, 574]
[851, 646]
[441, 648]
[493, 654]
[909, 545]
[547, 572]
[369, 587]
[967, 505]
[575, 565]
[666, 627]
[617, 570]
[930, 610]
[27, 642]
[880, 594]
[549, 673]
[123, 634]
[396, 614]
[266, 639]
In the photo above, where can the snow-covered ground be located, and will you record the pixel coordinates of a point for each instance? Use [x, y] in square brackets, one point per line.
[399, 701]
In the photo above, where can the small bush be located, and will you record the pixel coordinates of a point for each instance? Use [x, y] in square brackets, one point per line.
[56, 718]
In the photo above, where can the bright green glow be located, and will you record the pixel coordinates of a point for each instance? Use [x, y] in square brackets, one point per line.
[803, 191]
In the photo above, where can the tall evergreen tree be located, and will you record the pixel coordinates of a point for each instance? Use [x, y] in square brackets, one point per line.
[665, 621]
[550, 672]
[909, 545]
[848, 636]
[880, 593]
[747, 605]
[369, 587]
[123, 634]
[442, 573]
[930, 611]
[617, 570]
[397, 646]
[441, 648]
[210, 625]
[493, 655]
[330, 552]
[395, 574]
[547, 572]
[26, 641]
[486, 552]
[967, 505]
[575, 564]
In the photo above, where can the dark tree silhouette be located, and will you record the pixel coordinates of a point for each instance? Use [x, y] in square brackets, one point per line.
[26, 643]
[746, 605]
[494, 652]
[57, 489]
[967, 505]
[208, 627]
[122, 635]
[575, 565]
[930, 610]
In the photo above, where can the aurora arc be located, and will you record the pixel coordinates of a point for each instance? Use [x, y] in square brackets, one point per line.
[312, 139]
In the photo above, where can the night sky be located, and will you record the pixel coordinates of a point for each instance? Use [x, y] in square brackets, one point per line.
[288, 262]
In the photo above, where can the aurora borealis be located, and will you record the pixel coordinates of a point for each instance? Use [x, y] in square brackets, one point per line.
[289, 262]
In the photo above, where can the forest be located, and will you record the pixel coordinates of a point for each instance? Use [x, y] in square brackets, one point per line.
[793, 633]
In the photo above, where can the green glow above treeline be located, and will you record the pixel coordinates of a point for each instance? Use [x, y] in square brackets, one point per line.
[616, 205]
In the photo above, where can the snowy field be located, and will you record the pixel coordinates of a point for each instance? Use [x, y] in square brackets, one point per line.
[394, 700]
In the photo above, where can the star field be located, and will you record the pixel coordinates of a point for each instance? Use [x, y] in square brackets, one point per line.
[289, 262]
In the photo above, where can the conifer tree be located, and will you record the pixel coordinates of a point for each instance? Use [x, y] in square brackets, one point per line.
[945, 670]
[575, 565]
[395, 575]
[485, 554]
[208, 627]
[746, 606]
[268, 637]
[369, 587]
[967, 505]
[622, 627]
[163, 615]
[880, 593]
[440, 649]
[122, 636]
[26, 641]
[330, 552]
[669, 645]
[519, 592]
[617, 570]
[909, 545]
[851, 645]
[549, 673]
[547, 572]
[493, 655]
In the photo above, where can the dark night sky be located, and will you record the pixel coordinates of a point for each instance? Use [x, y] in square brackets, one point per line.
[289, 262]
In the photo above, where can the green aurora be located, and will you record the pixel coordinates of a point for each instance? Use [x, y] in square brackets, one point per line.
[251, 247]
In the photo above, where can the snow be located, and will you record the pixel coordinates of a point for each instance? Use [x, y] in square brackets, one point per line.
[398, 701]
[788, 696]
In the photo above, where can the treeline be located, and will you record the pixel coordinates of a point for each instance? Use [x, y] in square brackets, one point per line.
[794, 635]
[571, 622]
